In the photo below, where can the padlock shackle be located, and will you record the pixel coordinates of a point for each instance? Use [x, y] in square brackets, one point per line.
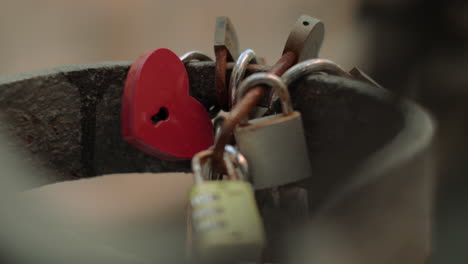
[197, 164]
[232, 155]
[194, 55]
[218, 124]
[238, 73]
[309, 67]
[234, 161]
[269, 79]
[241, 110]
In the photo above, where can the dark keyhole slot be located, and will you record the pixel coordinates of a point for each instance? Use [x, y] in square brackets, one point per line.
[161, 115]
[305, 23]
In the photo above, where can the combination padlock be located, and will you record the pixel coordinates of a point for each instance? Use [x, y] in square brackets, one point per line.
[274, 145]
[225, 218]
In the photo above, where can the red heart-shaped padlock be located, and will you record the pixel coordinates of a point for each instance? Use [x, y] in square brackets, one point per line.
[159, 117]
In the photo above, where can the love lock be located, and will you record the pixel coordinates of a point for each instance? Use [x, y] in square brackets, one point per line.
[159, 117]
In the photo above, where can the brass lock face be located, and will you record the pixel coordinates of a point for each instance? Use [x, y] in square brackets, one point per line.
[225, 217]
[226, 220]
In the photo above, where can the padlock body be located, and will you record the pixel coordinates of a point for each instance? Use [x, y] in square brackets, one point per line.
[276, 150]
[226, 221]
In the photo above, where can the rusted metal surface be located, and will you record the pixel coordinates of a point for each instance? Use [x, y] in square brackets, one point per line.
[226, 36]
[226, 47]
[243, 107]
[221, 54]
[284, 63]
[202, 81]
[272, 81]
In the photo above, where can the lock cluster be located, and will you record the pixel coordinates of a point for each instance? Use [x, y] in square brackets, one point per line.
[246, 151]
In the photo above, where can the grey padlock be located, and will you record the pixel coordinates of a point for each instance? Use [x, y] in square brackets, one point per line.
[274, 146]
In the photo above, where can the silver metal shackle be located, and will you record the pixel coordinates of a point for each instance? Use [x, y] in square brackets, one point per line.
[269, 79]
[217, 125]
[238, 73]
[235, 162]
[312, 66]
[236, 157]
[197, 164]
[194, 55]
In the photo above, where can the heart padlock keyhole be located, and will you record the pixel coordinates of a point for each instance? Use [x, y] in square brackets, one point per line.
[161, 115]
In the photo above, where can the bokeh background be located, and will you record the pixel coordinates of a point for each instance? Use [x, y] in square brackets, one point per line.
[418, 49]
[41, 34]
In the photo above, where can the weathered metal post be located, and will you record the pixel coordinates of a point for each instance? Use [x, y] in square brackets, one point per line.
[370, 152]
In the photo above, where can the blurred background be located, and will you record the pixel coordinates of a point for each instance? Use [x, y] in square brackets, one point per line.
[415, 48]
[49, 33]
